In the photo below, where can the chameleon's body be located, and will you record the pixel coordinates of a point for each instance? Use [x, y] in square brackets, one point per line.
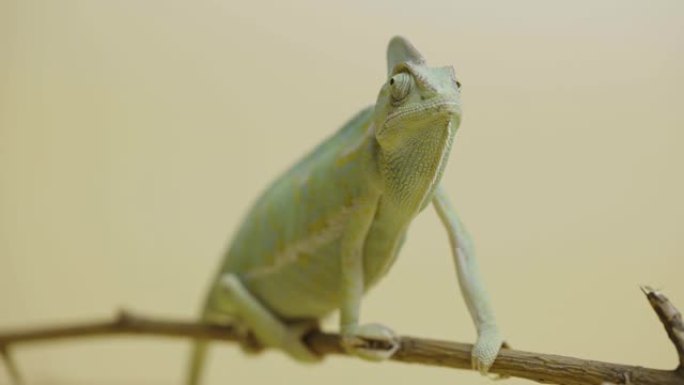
[289, 246]
[331, 226]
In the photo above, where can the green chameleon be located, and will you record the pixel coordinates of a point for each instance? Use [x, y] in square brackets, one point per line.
[330, 227]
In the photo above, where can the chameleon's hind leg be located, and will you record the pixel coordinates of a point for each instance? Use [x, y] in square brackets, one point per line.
[245, 337]
[268, 328]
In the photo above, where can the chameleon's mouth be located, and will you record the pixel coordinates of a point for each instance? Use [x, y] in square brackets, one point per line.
[438, 107]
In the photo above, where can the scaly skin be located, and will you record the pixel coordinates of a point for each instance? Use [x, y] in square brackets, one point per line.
[330, 227]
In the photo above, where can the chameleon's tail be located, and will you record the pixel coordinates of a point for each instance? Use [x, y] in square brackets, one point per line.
[199, 352]
[199, 348]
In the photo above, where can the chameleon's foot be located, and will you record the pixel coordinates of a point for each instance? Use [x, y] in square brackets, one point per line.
[486, 349]
[372, 342]
[294, 345]
[249, 344]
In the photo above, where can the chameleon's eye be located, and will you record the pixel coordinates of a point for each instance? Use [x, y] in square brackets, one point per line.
[400, 85]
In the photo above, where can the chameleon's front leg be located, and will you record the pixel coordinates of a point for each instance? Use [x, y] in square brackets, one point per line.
[371, 341]
[489, 338]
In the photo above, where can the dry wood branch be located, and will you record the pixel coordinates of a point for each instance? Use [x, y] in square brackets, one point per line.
[545, 368]
[671, 319]
[11, 366]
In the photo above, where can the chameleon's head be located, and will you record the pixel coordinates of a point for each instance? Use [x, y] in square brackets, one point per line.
[416, 99]
[416, 116]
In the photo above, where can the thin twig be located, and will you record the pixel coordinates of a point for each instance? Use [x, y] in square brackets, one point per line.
[11, 365]
[539, 367]
[671, 319]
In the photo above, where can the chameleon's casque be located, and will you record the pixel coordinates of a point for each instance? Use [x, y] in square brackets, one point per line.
[331, 226]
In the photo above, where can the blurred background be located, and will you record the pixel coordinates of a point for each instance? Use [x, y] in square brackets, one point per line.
[135, 134]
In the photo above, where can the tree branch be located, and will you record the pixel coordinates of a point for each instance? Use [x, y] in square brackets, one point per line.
[11, 366]
[545, 368]
[671, 319]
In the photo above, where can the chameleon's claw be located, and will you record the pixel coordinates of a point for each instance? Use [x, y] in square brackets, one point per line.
[372, 342]
[486, 349]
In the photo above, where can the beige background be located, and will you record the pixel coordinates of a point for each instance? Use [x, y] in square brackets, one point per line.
[134, 135]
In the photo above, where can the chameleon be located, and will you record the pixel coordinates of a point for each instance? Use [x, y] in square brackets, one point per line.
[326, 231]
